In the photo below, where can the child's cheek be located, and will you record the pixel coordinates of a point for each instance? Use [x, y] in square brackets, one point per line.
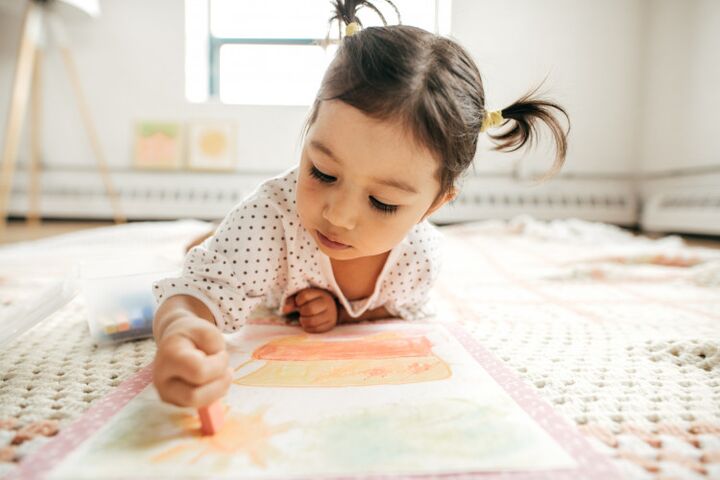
[308, 198]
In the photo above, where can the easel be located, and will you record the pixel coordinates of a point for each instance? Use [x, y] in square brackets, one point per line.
[27, 81]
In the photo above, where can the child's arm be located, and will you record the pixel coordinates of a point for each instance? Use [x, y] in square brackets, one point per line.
[191, 364]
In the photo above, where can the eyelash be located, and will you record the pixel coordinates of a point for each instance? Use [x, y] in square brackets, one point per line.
[321, 176]
[374, 202]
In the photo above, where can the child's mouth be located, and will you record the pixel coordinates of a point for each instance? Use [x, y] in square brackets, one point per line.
[330, 243]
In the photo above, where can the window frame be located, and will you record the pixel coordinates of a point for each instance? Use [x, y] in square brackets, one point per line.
[215, 43]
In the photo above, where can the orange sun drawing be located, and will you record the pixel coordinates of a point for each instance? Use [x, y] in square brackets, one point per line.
[240, 434]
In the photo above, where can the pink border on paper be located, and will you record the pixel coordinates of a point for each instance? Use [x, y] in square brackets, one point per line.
[591, 465]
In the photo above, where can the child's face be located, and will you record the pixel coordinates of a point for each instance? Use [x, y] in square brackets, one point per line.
[363, 183]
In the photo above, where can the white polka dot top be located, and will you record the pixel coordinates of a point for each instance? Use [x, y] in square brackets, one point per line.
[260, 254]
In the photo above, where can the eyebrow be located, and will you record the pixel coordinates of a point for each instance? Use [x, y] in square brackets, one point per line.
[382, 181]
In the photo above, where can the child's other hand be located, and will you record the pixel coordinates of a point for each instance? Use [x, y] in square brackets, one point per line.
[317, 308]
[191, 364]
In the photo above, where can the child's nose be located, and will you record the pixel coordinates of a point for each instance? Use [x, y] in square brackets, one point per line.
[340, 212]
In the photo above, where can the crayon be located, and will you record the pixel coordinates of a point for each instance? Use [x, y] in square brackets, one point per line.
[211, 417]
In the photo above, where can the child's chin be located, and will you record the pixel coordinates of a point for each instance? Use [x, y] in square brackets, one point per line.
[341, 254]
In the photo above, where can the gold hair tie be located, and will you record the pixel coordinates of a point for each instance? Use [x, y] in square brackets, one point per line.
[492, 120]
[351, 29]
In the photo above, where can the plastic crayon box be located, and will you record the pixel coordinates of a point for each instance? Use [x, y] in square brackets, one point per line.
[120, 306]
[131, 319]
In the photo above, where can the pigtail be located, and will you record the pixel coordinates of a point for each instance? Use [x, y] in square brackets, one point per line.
[523, 117]
[346, 11]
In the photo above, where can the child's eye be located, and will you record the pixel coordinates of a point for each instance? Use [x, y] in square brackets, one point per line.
[321, 176]
[383, 207]
[376, 204]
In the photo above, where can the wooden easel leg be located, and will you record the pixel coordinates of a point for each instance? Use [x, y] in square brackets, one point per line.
[33, 215]
[94, 141]
[18, 106]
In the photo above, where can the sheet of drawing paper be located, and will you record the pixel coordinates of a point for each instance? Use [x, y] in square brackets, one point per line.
[387, 399]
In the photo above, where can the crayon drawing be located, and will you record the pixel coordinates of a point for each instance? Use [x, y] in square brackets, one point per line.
[248, 435]
[158, 145]
[363, 399]
[212, 146]
[310, 361]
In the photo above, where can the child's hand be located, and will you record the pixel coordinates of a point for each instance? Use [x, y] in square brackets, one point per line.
[318, 311]
[191, 364]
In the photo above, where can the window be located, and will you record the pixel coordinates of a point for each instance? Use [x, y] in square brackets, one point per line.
[259, 52]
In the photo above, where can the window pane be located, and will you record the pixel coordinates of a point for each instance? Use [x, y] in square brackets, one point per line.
[269, 18]
[306, 18]
[272, 74]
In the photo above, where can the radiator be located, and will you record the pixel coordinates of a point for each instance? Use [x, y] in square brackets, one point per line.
[682, 203]
[79, 194]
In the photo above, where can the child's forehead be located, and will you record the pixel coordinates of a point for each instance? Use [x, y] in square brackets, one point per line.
[348, 132]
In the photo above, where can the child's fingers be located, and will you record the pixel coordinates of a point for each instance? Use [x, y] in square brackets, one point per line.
[199, 369]
[312, 326]
[172, 350]
[317, 323]
[179, 357]
[308, 295]
[314, 307]
[207, 337]
[184, 394]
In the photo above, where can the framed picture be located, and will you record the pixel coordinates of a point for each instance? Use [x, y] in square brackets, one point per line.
[158, 145]
[212, 146]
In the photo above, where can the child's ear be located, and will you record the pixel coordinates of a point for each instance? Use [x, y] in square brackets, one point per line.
[441, 200]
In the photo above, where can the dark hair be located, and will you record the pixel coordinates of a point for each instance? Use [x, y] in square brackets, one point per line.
[433, 86]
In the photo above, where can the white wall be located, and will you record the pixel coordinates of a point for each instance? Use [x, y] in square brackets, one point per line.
[593, 53]
[681, 125]
[590, 53]
[131, 60]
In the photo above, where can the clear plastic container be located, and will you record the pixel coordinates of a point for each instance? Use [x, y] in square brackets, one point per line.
[119, 297]
[20, 318]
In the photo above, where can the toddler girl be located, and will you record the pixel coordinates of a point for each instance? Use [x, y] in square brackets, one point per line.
[343, 236]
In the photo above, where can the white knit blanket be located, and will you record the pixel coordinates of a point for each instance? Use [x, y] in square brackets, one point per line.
[620, 334]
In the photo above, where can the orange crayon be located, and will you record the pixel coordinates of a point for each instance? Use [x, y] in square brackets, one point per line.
[211, 417]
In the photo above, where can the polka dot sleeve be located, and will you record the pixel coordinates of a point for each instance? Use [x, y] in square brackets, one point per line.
[414, 274]
[232, 271]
